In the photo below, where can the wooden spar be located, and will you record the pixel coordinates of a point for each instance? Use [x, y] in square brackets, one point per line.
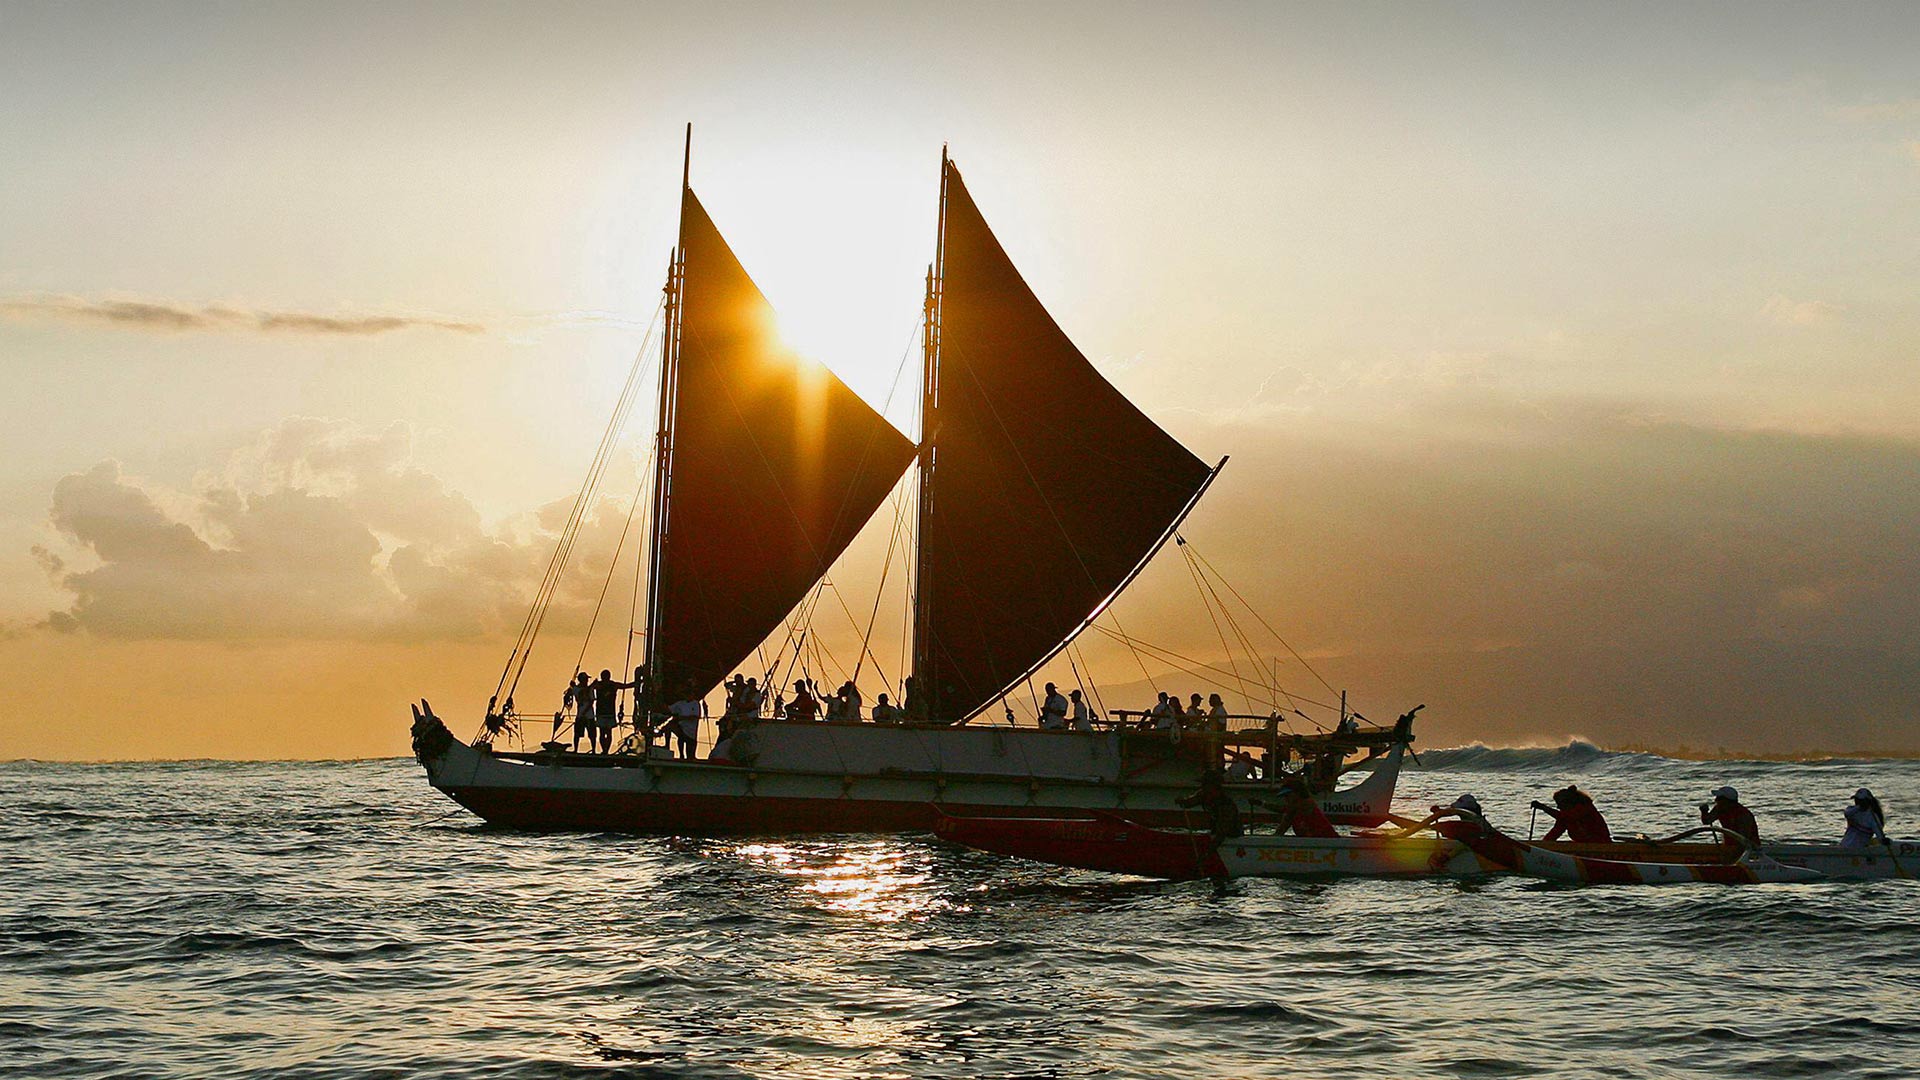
[645, 698]
[929, 424]
[1165, 536]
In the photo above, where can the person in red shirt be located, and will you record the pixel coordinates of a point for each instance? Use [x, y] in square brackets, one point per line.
[1299, 812]
[1726, 812]
[1575, 817]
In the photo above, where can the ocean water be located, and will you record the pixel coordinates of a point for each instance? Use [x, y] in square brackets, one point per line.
[343, 920]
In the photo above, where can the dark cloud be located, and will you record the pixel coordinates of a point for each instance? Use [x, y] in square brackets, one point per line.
[319, 531]
[167, 316]
[1551, 569]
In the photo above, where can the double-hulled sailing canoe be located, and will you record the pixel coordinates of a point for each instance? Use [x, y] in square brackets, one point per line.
[1041, 492]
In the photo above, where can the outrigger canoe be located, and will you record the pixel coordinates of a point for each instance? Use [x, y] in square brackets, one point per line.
[1113, 844]
[1740, 863]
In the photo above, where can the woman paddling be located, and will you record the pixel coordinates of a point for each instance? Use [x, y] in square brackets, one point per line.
[1575, 817]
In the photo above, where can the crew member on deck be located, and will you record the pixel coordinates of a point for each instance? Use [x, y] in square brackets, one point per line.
[579, 695]
[684, 724]
[1195, 718]
[1575, 817]
[1242, 768]
[884, 711]
[1053, 710]
[1216, 714]
[1082, 715]
[1162, 716]
[803, 706]
[606, 707]
[1866, 822]
[1726, 812]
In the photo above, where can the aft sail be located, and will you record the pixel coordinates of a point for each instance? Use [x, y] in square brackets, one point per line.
[769, 465]
[1043, 489]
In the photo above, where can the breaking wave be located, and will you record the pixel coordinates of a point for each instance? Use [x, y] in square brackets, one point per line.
[1578, 755]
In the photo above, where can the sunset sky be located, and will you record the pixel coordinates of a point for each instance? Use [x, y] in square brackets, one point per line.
[1569, 356]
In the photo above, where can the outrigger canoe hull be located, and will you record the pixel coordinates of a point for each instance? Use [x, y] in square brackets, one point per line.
[1752, 867]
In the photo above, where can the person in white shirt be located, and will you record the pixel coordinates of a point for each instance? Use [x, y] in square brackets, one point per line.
[1196, 715]
[1216, 713]
[1242, 768]
[884, 711]
[684, 725]
[1866, 821]
[1162, 714]
[1082, 716]
[1053, 710]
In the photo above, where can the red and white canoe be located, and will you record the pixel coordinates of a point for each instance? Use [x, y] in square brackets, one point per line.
[1751, 867]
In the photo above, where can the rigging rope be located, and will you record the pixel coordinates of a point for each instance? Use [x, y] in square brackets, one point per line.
[569, 533]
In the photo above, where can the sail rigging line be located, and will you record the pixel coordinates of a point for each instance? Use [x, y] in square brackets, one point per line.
[1172, 528]
[613, 565]
[1263, 622]
[571, 533]
[543, 594]
[1192, 666]
[1201, 588]
[633, 603]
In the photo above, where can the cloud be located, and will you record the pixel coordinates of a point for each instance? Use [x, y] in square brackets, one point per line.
[319, 530]
[1789, 312]
[168, 316]
[1878, 112]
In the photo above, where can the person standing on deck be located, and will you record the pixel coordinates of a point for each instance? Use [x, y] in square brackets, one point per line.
[1082, 716]
[1575, 817]
[1195, 718]
[1053, 710]
[1161, 717]
[1866, 822]
[684, 724]
[884, 711]
[1216, 714]
[850, 703]
[579, 696]
[606, 708]
[1726, 812]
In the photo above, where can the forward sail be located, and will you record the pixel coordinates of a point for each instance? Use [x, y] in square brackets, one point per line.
[769, 467]
[1043, 489]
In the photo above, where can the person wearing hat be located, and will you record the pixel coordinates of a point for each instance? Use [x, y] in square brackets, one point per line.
[1575, 817]
[1866, 822]
[1466, 826]
[1725, 811]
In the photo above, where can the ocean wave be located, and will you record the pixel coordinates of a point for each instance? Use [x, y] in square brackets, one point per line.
[1578, 755]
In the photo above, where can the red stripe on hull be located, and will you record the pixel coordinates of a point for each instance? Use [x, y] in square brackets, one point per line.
[683, 814]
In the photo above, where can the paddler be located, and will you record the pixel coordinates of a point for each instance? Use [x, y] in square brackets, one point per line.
[1866, 821]
[1725, 811]
[1223, 815]
[1298, 810]
[1575, 817]
[1469, 824]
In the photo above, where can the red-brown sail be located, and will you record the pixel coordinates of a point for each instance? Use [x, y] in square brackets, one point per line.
[774, 466]
[1043, 488]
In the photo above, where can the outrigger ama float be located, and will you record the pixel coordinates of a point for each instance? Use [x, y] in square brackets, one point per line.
[1041, 493]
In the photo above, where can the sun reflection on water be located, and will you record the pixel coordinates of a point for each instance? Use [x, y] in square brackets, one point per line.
[879, 880]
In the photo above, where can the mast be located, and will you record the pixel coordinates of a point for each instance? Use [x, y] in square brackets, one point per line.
[648, 696]
[929, 423]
